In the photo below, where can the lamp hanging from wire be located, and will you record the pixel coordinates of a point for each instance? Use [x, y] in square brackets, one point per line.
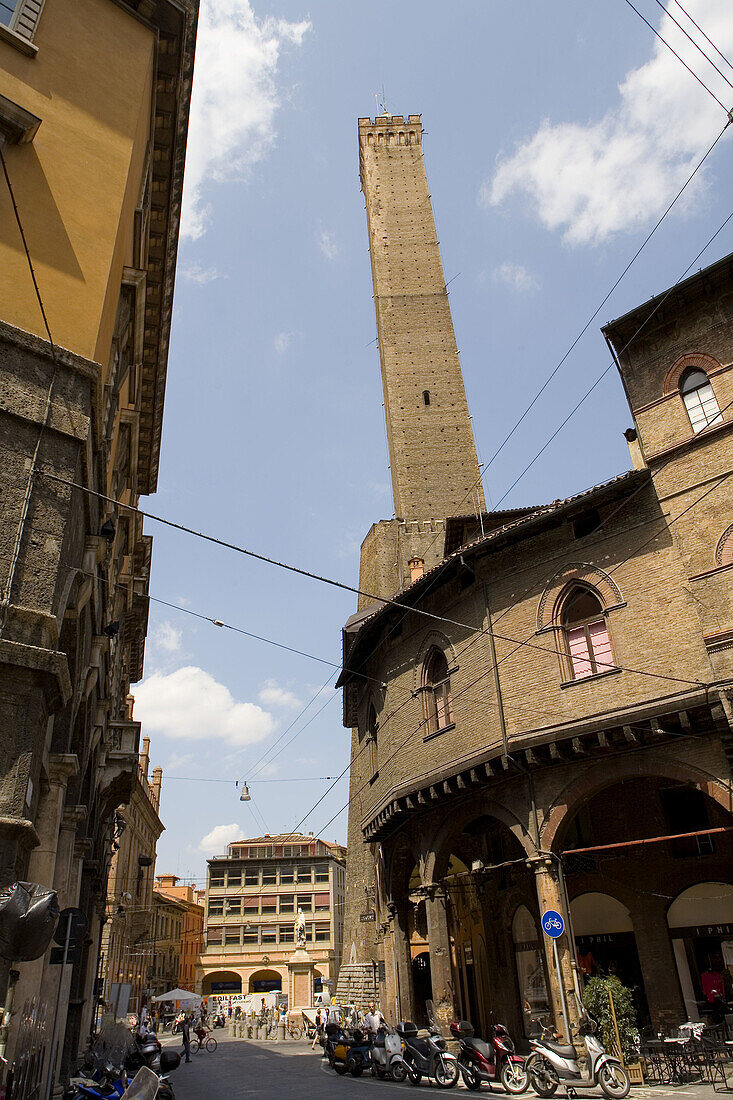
[244, 795]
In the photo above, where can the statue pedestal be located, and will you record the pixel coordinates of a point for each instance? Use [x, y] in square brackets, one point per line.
[300, 980]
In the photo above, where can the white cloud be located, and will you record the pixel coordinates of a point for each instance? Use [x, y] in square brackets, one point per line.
[234, 100]
[617, 174]
[282, 342]
[515, 276]
[195, 273]
[328, 245]
[271, 694]
[215, 842]
[190, 705]
[179, 760]
[168, 637]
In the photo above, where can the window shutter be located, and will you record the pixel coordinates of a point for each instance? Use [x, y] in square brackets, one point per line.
[601, 645]
[579, 655]
[27, 18]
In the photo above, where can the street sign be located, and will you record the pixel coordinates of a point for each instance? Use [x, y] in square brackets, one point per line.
[364, 917]
[77, 927]
[552, 924]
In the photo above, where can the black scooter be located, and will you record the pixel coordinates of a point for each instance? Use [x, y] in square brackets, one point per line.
[427, 1057]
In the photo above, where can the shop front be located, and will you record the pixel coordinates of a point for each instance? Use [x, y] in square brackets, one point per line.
[700, 922]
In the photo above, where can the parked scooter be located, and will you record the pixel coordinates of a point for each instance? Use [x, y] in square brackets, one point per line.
[386, 1055]
[552, 1062]
[427, 1057]
[481, 1061]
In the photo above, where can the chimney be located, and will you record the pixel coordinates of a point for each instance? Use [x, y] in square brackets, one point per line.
[417, 568]
[155, 786]
[145, 756]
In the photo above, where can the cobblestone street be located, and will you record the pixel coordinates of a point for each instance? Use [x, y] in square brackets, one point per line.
[290, 1070]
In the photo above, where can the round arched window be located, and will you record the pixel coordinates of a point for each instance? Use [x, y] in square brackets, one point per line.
[700, 402]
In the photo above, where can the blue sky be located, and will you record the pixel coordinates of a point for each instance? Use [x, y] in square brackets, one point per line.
[555, 136]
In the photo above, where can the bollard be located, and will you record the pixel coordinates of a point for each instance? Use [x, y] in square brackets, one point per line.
[281, 1031]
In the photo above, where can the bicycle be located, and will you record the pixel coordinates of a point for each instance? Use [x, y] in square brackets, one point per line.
[294, 1030]
[208, 1043]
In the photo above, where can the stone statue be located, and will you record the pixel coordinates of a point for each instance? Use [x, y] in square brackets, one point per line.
[300, 930]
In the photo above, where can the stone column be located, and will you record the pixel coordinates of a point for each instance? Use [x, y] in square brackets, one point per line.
[441, 970]
[658, 964]
[401, 963]
[67, 883]
[300, 980]
[549, 896]
[42, 861]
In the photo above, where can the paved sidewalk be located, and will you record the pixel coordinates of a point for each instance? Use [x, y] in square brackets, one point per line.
[291, 1071]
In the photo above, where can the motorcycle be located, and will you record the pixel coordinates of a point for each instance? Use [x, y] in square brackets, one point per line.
[386, 1055]
[496, 1060]
[427, 1057]
[551, 1062]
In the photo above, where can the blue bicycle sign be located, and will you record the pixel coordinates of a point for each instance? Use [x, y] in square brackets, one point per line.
[552, 924]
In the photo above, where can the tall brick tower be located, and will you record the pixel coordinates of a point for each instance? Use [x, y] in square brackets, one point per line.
[432, 452]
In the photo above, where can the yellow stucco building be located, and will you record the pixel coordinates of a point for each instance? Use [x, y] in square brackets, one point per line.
[94, 100]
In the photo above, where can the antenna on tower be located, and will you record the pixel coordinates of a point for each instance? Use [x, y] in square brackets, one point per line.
[381, 102]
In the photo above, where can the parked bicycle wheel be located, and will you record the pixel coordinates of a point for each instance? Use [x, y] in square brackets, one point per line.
[295, 1032]
[195, 1046]
[211, 1044]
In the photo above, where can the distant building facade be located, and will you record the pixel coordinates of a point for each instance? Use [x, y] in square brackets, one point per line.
[192, 928]
[127, 947]
[94, 101]
[169, 915]
[253, 894]
[549, 725]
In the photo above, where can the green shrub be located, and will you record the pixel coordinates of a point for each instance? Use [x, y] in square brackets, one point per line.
[595, 998]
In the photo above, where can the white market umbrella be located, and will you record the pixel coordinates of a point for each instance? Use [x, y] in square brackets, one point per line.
[177, 995]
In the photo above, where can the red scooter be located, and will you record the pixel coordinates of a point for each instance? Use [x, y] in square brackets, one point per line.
[481, 1062]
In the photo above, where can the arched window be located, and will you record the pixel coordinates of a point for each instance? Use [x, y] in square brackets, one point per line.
[372, 729]
[586, 634]
[697, 394]
[437, 692]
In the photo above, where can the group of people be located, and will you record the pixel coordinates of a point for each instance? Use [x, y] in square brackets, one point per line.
[369, 1021]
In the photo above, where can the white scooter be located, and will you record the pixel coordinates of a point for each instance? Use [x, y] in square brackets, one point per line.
[551, 1063]
[386, 1055]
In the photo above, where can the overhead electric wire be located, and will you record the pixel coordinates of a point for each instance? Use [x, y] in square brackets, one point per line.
[697, 45]
[681, 61]
[702, 32]
[385, 600]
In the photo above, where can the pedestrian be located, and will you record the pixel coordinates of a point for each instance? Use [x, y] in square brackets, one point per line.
[186, 1034]
[373, 1020]
[319, 1028]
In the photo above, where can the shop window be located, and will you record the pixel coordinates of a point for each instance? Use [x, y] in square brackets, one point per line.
[529, 961]
[586, 635]
[700, 401]
[438, 700]
[685, 811]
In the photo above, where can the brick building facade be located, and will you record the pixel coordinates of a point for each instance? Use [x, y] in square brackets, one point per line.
[192, 926]
[552, 729]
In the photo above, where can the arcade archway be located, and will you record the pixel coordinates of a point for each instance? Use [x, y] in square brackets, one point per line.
[265, 981]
